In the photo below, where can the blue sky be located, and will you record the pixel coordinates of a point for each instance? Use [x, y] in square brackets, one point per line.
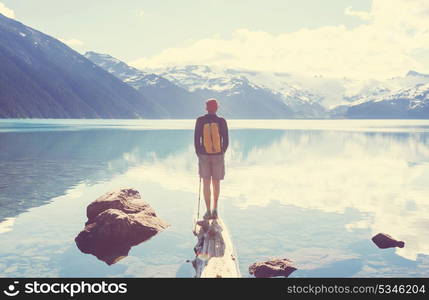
[130, 29]
[297, 35]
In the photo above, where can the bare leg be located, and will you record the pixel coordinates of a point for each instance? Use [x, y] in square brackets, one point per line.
[216, 191]
[207, 192]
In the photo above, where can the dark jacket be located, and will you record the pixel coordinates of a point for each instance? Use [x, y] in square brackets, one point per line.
[198, 133]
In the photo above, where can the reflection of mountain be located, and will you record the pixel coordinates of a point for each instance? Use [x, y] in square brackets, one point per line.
[315, 195]
[244, 141]
[38, 166]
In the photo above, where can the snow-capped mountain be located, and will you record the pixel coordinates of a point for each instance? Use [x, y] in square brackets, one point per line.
[175, 101]
[303, 101]
[134, 77]
[115, 66]
[398, 97]
[336, 92]
[42, 77]
[233, 83]
[188, 87]
[369, 89]
[250, 94]
[411, 102]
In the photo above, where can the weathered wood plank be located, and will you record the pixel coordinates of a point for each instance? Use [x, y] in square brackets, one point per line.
[215, 255]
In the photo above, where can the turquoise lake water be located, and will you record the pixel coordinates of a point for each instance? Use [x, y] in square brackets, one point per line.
[313, 191]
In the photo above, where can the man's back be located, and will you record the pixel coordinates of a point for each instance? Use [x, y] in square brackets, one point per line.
[211, 141]
[211, 135]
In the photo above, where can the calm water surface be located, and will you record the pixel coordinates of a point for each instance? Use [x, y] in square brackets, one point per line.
[312, 191]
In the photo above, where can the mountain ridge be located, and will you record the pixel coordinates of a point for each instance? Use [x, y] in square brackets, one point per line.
[44, 78]
[243, 102]
[41, 77]
[239, 97]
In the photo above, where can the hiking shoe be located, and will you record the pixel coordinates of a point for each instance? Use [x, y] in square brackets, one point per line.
[214, 214]
[207, 215]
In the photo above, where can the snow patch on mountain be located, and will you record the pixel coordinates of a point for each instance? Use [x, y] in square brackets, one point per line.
[235, 81]
[308, 97]
[198, 77]
[405, 87]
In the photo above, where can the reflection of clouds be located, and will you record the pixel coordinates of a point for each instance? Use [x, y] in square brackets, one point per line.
[136, 267]
[383, 176]
[361, 224]
[134, 156]
[315, 258]
[44, 233]
[7, 225]
[42, 244]
[177, 171]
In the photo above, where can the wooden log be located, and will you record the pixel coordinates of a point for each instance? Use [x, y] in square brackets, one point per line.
[215, 255]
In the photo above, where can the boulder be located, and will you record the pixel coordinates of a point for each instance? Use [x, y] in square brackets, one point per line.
[384, 241]
[272, 268]
[127, 200]
[117, 221]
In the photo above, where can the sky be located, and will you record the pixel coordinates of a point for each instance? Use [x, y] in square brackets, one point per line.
[334, 38]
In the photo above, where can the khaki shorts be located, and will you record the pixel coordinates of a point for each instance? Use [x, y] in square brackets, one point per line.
[211, 166]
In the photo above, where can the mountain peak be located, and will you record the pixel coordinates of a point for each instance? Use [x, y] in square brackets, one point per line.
[114, 66]
[95, 55]
[415, 73]
[59, 82]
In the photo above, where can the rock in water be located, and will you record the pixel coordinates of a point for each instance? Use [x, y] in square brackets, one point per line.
[117, 221]
[272, 268]
[384, 241]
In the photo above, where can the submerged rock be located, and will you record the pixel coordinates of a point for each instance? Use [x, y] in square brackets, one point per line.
[272, 268]
[117, 221]
[384, 241]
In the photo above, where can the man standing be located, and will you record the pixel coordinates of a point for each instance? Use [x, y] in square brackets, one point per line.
[211, 142]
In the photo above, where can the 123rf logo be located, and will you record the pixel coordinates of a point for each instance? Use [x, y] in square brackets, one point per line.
[12, 290]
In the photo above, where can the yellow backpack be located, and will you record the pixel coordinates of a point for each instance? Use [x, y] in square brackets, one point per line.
[211, 138]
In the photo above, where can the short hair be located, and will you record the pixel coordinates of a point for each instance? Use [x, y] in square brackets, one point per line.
[211, 104]
[211, 100]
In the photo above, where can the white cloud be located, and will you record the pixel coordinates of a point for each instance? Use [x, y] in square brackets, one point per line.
[6, 11]
[381, 48]
[364, 15]
[72, 42]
